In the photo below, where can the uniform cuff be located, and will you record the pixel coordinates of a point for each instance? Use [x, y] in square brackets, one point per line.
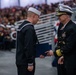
[30, 64]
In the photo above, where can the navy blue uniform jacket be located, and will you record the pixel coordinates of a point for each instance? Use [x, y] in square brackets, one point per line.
[25, 44]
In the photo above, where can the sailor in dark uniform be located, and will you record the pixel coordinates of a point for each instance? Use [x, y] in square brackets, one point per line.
[66, 41]
[25, 45]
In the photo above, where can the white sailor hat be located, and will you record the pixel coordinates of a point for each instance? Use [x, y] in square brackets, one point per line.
[64, 9]
[13, 29]
[34, 10]
[1, 25]
[8, 26]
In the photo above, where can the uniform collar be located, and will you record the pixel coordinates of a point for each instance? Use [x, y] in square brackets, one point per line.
[64, 26]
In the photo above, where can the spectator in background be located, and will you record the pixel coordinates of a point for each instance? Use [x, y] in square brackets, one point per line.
[26, 41]
[7, 38]
[2, 35]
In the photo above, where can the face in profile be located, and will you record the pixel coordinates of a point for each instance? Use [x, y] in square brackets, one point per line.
[35, 19]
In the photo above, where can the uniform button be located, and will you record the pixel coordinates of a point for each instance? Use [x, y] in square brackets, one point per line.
[63, 42]
[58, 46]
[59, 41]
[61, 51]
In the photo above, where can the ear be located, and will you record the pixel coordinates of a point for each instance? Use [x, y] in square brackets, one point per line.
[33, 15]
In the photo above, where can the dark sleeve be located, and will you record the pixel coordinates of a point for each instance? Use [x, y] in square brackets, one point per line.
[29, 45]
[70, 43]
[58, 33]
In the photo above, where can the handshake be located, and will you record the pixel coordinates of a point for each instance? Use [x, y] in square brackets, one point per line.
[51, 53]
[48, 53]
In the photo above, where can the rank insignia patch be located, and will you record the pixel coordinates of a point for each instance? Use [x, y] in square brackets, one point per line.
[64, 34]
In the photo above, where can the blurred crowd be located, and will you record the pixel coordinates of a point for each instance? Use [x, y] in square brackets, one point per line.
[8, 17]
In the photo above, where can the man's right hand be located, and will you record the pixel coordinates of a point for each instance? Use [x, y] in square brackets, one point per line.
[30, 68]
[49, 53]
[42, 56]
